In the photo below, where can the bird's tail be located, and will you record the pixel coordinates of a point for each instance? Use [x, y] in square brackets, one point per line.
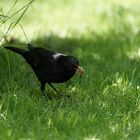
[17, 50]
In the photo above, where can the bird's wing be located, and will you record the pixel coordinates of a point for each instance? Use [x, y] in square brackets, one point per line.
[46, 60]
[57, 56]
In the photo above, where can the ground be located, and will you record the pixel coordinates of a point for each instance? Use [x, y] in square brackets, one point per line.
[104, 104]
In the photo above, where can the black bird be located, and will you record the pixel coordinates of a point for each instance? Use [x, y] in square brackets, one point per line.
[49, 67]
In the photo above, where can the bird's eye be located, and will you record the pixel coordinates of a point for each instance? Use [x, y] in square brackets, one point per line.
[71, 66]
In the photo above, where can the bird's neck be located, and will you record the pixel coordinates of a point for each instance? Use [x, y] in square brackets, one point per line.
[69, 73]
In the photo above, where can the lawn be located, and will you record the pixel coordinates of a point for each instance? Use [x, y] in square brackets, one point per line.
[104, 104]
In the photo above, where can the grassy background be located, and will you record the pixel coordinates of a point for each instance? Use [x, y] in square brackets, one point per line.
[105, 102]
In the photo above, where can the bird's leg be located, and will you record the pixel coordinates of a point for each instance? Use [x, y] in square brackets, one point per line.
[53, 88]
[56, 90]
[42, 89]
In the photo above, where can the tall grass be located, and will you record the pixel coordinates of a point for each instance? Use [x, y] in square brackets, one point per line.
[13, 16]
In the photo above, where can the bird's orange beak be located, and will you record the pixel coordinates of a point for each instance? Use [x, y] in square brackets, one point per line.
[80, 70]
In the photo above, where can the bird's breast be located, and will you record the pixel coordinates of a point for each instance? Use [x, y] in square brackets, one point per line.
[64, 76]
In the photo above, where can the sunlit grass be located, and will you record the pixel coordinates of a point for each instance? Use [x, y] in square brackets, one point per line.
[73, 18]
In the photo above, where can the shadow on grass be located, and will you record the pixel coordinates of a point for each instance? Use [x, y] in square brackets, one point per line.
[102, 56]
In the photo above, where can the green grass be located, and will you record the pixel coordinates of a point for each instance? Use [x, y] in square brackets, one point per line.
[105, 103]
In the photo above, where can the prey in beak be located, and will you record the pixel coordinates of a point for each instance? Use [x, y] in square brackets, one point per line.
[80, 70]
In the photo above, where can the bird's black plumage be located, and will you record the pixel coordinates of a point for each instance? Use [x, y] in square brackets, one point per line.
[49, 67]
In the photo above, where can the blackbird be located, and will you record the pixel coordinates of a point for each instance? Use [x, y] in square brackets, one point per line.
[49, 67]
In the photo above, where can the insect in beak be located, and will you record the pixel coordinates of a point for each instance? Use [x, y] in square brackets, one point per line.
[80, 70]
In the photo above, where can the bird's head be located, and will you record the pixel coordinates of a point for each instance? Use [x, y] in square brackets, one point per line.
[73, 63]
